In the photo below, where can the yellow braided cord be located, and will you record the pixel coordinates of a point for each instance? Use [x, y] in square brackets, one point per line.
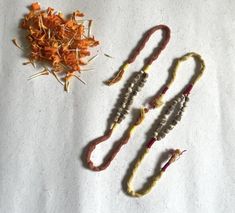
[147, 189]
[147, 68]
[159, 100]
[118, 76]
[198, 58]
[173, 74]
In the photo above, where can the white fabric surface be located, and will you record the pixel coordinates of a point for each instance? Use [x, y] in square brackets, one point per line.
[43, 130]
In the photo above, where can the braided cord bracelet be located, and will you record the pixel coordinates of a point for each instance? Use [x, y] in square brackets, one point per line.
[135, 86]
[176, 109]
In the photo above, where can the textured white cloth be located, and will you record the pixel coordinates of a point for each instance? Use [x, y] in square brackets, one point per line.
[43, 130]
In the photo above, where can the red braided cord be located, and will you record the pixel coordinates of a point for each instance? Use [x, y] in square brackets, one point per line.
[110, 156]
[154, 56]
[145, 39]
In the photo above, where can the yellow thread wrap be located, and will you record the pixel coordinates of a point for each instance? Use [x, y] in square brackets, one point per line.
[147, 189]
[138, 122]
[159, 101]
[114, 126]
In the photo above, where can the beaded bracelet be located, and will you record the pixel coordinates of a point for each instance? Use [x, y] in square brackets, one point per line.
[175, 110]
[135, 86]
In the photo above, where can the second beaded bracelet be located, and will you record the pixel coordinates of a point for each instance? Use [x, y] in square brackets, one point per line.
[174, 111]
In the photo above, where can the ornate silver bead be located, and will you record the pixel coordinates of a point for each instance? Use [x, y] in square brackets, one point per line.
[134, 93]
[125, 111]
[116, 118]
[129, 89]
[155, 134]
[185, 104]
[186, 98]
[178, 117]
[167, 112]
[120, 109]
[166, 131]
[130, 101]
[162, 121]
[132, 85]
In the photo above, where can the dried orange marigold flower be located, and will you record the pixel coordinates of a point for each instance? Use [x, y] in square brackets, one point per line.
[64, 43]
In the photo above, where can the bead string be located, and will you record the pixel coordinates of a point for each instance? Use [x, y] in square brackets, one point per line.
[176, 109]
[134, 87]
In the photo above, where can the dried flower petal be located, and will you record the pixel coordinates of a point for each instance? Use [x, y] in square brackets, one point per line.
[61, 42]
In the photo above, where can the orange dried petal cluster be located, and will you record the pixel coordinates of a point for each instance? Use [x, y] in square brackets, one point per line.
[62, 42]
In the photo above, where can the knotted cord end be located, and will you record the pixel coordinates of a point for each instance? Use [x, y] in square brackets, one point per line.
[174, 156]
[139, 120]
[118, 76]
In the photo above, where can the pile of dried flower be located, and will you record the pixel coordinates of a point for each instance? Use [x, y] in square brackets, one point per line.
[64, 43]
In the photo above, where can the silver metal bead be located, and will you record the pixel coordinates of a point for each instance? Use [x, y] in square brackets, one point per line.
[159, 138]
[130, 101]
[178, 117]
[186, 98]
[174, 122]
[120, 109]
[164, 116]
[179, 99]
[171, 107]
[129, 89]
[143, 80]
[116, 118]
[128, 106]
[162, 121]
[170, 127]
[137, 77]
[132, 85]
[141, 84]
[180, 113]
[155, 134]
[185, 104]
[163, 135]
[127, 95]
[145, 75]
[167, 112]
[159, 127]
[124, 102]
[182, 97]
[125, 111]
[166, 131]
[134, 93]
